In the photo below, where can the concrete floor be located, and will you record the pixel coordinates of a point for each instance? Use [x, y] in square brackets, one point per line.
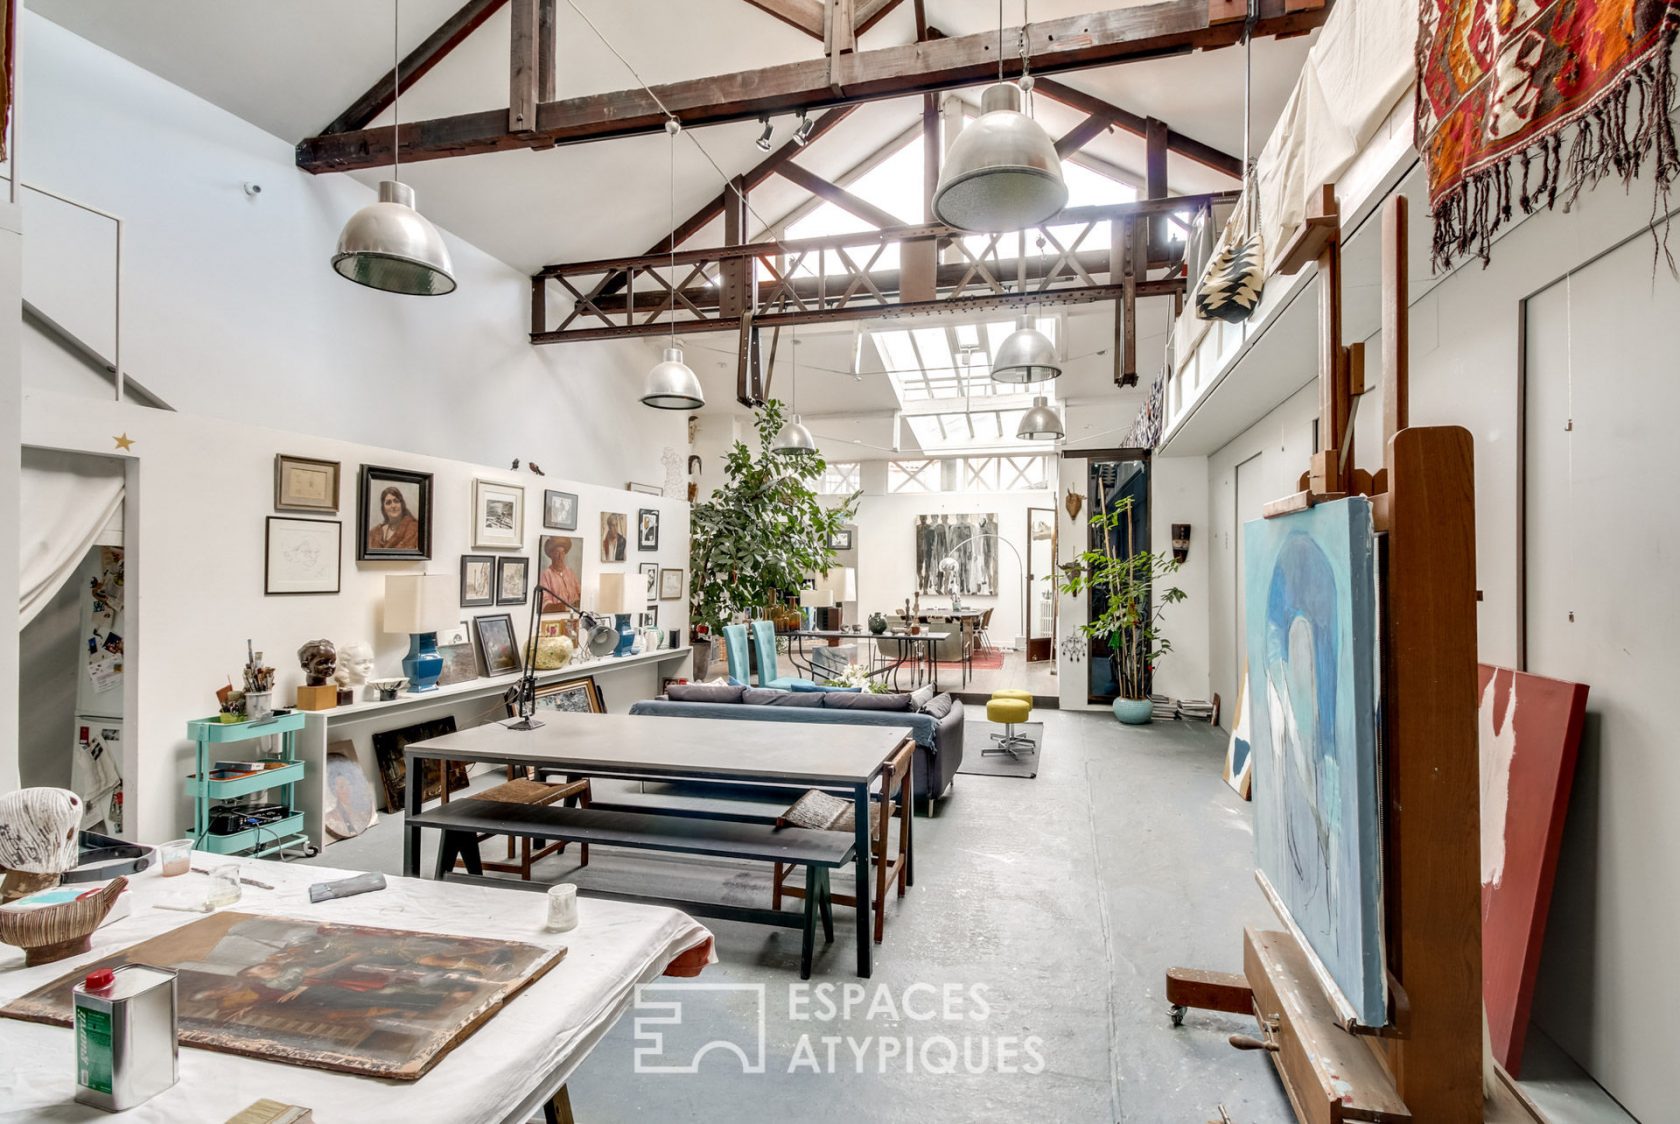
[1060, 900]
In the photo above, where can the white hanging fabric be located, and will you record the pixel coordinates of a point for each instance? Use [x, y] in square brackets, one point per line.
[65, 500]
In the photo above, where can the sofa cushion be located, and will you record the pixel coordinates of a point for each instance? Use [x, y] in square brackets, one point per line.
[938, 706]
[867, 701]
[704, 692]
[769, 696]
[920, 697]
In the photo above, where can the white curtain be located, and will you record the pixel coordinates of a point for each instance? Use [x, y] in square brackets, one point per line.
[65, 501]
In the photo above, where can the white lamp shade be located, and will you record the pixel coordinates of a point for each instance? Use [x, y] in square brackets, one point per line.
[848, 585]
[420, 602]
[817, 598]
[617, 595]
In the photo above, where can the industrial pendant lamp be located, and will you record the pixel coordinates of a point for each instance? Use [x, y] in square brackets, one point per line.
[672, 384]
[388, 245]
[1040, 423]
[1002, 172]
[1026, 355]
[793, 438]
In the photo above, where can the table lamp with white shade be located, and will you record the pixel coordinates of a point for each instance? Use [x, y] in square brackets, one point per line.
[622, 595]
[818, 598]
[420, 605]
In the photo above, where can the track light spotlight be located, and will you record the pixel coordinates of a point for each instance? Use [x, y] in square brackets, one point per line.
[802, 135]
[763, 141]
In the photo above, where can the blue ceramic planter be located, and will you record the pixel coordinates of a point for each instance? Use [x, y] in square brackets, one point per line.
[1133, 712]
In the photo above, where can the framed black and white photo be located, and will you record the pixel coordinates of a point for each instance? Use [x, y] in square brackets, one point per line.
[650, 571]
[303, 555]
[498, 515]
[840, 540]
[560, 511]
[647, 529]
[393, 514]
[305, 484]
[648, 619]
[513, 580]
[670, 585]
[496, 644]
[478, 580]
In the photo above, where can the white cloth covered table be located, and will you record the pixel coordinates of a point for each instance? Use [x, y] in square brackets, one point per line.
[495, 1074]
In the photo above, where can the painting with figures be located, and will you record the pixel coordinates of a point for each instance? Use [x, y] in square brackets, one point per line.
[969, 542]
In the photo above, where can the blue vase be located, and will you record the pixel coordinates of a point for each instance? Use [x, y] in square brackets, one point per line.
[1133, 712]
[422, 665]
[626, 634]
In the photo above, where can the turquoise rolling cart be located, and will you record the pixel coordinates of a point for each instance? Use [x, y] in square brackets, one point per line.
[211, 737]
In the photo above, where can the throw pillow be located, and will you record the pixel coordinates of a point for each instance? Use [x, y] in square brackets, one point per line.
[703, 693]
[938, 707]
[920, 697]
[867, 701]
[769, 696]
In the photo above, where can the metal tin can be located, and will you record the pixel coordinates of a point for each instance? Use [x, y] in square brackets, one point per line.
[126, 1045]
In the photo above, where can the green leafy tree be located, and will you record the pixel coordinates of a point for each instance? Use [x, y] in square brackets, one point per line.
[762, 532]
[1137, 597]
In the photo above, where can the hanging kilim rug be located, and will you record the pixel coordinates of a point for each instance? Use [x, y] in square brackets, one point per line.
[1521, 101]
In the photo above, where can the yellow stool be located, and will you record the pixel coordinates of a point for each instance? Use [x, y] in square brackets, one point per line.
[1007, 708]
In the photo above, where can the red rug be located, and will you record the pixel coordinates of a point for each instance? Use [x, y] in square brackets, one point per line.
[1502, 83]
[983, 661]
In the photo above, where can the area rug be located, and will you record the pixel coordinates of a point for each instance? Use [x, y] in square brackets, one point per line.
[978, 737]
[983, 661]
[1504, 84]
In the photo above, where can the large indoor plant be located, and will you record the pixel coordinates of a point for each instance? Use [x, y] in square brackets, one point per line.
[1130, 620]
[758, 536]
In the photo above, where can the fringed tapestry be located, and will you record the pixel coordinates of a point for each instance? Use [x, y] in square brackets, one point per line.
[1145, 431]
[1502, 85]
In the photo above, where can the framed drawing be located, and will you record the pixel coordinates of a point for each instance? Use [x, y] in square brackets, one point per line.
[647, 529]
[513, 580]
[496, 644]
[303, 555]
[612, 536]
[580, 696]
[498, 515]
[650, 571]
[560, 511]
[393, 514]
[460, 633]
[670, 585]
[478, 580]
[305, 484]
[841, 539]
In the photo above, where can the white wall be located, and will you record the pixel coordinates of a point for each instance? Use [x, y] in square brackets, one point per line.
[231, 308]
[11, 462]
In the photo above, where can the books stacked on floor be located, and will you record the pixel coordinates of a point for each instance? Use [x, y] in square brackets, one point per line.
[1161, 707]
[1198, 710]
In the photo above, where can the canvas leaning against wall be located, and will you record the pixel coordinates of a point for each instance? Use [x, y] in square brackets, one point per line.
[1310, 581]
[969, 542]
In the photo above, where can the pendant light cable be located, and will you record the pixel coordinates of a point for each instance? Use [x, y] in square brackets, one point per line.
[672, 133]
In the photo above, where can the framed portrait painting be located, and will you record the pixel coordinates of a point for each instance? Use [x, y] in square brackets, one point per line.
[393, 514]
[561, 575]
[647, 529]
[303, 555]
[496, 644]
[560, 510]
[478, 580]
[498, 515]
[305, 484]
[513, 580]
[670, 585]
[613, 542]
[650, 571]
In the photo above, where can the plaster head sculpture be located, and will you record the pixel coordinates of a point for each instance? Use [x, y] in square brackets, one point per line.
[37, 838]
[355, 664]
[318, 658]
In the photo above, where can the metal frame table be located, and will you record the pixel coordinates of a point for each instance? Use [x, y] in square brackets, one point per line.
[908, 648]
[645, 747]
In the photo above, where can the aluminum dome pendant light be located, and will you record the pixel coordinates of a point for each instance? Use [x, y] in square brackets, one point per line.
[1026, 356]
[1002, 172]
[793, 438]
[672, 384]
[389, 245]
[1040, 423]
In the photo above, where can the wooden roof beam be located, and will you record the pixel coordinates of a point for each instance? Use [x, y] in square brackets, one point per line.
[839, 196]
[1137, 124]
[1155, 30]
[807, 15]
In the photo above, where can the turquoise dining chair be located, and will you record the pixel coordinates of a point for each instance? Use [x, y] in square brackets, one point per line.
[735, 644]
[764, 643]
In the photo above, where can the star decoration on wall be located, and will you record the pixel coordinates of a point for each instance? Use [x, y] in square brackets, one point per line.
[125, 442]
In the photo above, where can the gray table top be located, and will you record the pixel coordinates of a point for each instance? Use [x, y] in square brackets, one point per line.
[832, 633]
[697, 748]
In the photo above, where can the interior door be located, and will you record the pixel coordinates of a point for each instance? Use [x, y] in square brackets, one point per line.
[1041, 584]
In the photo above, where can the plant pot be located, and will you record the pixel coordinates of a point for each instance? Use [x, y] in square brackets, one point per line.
[702, 657]
[877, 623]
[1133, 712]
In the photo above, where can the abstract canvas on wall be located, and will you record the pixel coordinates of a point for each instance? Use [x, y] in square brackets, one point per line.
[1310, 582]
[1239, 752]
[971, 544]
[1528, 754]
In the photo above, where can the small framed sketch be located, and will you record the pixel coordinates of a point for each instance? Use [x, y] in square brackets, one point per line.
[560, 511]
[496, 642]
[670, 585]
[840, 540]
[650, 571]
[305, 484]
[460, 633]
[649, 619]
[478, 580]
[393, 514]
[513, 580]
[612, 536]
[303, 555]
[647, 529]
[498, 515]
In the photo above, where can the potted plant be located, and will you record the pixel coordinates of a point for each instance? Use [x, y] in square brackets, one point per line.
[1136, 600]
[754, 540]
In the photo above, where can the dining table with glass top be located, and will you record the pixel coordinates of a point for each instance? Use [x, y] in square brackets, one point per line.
[913, 649]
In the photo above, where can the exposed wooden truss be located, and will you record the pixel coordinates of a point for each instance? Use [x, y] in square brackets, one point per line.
[839, 196]
[808, 15]
[1155, 30]
[1187, 147]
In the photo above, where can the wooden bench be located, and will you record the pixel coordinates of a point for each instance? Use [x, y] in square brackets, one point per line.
[819, 852]
[523, 790]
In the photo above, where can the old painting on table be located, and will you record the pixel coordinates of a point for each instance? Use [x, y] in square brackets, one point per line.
[1310, 581]
[378, 1002]
[971, 544]
[1528, 755]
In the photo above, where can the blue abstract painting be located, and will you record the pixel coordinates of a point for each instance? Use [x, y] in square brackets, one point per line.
[1313, 668]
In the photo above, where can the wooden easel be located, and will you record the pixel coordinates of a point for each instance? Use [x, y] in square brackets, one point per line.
[1426, 1064]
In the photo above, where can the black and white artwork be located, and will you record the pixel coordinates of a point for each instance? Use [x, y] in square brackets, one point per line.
[957, 554]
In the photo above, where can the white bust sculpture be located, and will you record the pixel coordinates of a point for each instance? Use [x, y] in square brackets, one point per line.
[355, 664]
